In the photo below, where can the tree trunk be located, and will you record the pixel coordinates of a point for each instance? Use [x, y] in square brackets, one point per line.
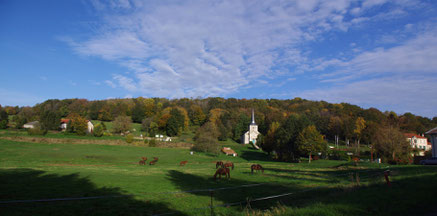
[309, 158]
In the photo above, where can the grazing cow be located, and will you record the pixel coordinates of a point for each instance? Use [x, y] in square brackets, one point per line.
[222, 171]
[182, 163]
[144, 158]
[142, 162]
[229, 164]
[155, 158]
[219, 164]
[257, 167]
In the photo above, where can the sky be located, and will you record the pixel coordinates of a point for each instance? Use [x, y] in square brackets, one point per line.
[372, 53]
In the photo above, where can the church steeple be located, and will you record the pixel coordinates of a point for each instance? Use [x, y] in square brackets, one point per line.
[253, 118]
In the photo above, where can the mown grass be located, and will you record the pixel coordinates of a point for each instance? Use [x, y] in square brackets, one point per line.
[42, 171]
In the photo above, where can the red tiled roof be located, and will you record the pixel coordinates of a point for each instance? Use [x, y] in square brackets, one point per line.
[410, 135]
[429, 143]
[65, 120]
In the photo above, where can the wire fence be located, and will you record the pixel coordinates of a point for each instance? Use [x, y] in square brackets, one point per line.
[357, 177]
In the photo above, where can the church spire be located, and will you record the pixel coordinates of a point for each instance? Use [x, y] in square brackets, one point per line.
[253, 117]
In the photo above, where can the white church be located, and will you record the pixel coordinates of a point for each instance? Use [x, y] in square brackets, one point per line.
[252, 134]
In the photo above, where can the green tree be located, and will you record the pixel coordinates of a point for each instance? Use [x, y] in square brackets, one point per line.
[122, 124]
[206, 140]
[360, 125]
[391, 144]
[50, 120]
[270, 141]
[197, 115]
[153, 129]
[3, 119]
[310, 141]
[98, 130]
[175, 124]
[286, 137]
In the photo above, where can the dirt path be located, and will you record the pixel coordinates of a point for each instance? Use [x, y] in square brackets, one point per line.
[91, 141]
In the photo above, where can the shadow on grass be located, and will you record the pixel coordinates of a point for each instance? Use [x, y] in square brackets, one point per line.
[187, 182]
[409, 185]
[29, 184]
[254, 155]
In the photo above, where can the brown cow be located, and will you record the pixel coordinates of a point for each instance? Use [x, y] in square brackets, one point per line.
[182, 163]
[142, 162]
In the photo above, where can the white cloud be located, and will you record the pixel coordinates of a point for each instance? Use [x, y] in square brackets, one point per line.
[403, 94]
[202, 48]
[110, 83]
[416, 55]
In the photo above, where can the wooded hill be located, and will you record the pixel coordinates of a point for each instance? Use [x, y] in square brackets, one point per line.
[231, 116]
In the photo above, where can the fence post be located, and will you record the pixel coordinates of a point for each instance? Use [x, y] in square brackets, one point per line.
[211, 204]
[386, 174]
[357, 178]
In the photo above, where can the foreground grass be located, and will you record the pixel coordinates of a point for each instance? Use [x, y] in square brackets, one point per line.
[43, 171]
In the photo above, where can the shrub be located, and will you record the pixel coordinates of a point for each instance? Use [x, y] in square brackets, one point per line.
[129, 138]
[146, 141]
[122, 124]
[152, 143]
[37, 130]
[98, 130]
[206, 139]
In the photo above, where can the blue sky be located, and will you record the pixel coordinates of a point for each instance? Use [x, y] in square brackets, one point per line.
[374, 53]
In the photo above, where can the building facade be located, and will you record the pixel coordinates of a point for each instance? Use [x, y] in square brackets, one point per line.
[252, 134]
[418, 142]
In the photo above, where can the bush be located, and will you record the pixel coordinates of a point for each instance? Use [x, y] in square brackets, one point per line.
[37, 130]
[129, 138]
[98, 130]
[122, 124]
[146, 141]
[152, 143]
[206, 139]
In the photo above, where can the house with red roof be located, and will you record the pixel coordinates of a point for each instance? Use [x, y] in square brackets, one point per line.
[419, 142]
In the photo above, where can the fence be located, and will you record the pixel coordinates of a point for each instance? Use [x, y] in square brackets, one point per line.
[356, 177]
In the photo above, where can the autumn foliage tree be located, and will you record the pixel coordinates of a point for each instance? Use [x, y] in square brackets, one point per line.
[391, 145]
[77, 124]
[122, 124]
[310, 141]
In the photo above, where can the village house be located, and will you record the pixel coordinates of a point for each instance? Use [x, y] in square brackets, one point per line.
[418, 142]
[31, 124]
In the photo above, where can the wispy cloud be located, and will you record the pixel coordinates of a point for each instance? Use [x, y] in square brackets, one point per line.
[404, 94]
[223, 47]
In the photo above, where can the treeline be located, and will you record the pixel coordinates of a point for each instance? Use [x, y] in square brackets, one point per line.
[230, 116]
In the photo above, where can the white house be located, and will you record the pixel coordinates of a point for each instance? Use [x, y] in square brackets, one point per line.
[419, 142]
[31, 124]
[252, 134]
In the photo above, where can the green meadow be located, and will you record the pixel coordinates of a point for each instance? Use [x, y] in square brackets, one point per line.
[109, 181]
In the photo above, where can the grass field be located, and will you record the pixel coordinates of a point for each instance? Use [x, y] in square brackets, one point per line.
[35, 171]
